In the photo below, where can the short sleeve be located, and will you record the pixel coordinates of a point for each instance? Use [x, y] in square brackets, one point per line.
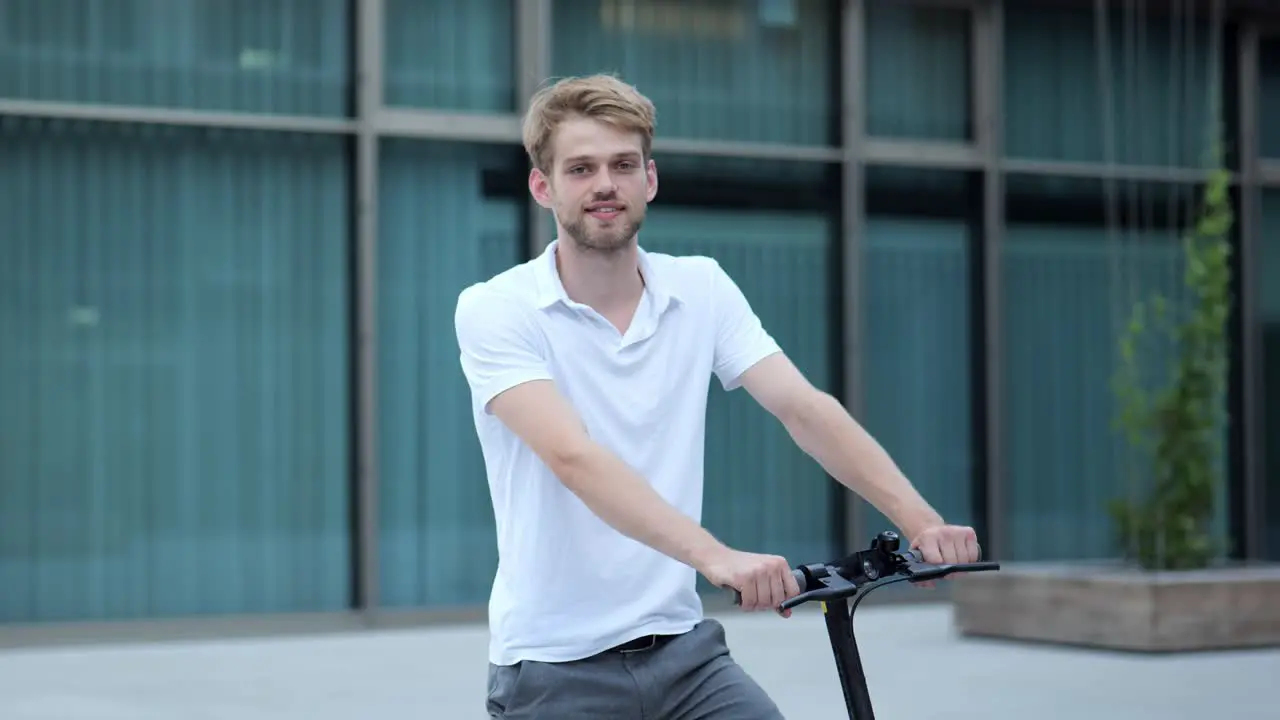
[499, 344]
[741, 340]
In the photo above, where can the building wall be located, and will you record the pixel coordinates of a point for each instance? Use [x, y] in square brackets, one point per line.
[180, 325]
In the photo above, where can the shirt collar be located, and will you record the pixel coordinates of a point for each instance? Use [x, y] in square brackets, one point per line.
[551, 290]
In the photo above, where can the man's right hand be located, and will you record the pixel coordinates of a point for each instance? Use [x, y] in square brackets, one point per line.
[765, 581]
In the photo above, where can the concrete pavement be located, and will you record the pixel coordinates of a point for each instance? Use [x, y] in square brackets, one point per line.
[917, 668]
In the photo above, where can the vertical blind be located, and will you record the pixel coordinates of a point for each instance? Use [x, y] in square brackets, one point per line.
[1145, 84]
[716, 69]
[174, 374]
[438, 233]
[450, 54]
[1269, 97]
[916, 363]
[918, 71]
[1065, 460]
[264, 56]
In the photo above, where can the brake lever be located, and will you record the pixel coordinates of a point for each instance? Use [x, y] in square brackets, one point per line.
[833, 585]
[919, 571]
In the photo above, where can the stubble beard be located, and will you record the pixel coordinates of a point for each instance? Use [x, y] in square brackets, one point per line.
[606, 241]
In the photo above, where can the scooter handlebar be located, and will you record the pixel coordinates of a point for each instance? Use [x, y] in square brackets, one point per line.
[881, 564]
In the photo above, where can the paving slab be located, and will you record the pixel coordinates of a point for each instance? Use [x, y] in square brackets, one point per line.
[917, 666]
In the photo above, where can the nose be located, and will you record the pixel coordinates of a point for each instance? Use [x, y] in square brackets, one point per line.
[604, 184]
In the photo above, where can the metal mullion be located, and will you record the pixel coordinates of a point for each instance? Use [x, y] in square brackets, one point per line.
[1060, 168]
[748, 150]
[853, 113]
[533, 68]
[936, 154]
[446, 125]
[1268, 173]
[174, 116]
[988, 71]
[1253, 502]
[368, 81]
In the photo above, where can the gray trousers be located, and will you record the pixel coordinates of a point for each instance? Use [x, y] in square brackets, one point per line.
[690, 677]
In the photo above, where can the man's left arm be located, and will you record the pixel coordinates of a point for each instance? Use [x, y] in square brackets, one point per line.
[821, 426]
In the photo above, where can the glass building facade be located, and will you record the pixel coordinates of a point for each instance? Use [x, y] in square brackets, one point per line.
[235, 231]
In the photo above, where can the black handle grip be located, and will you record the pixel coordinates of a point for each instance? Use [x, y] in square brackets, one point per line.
[933, 572]
[796, 573]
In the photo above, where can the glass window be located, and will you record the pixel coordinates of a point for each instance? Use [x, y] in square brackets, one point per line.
[716, 69]
[441, 228]
[451, 54]
[264, 56]
[1071, 273]
[175, 375]
[1269, 97]
[918, 71]
[917, 374]
[1155, 110]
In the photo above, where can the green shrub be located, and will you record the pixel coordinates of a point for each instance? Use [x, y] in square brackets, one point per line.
[1175, 431]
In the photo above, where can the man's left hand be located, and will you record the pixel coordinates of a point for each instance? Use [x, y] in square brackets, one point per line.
[947, 544]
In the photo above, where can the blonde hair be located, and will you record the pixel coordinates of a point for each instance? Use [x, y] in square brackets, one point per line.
[600, 97]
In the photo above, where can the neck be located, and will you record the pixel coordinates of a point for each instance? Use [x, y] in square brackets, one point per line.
[604, 281]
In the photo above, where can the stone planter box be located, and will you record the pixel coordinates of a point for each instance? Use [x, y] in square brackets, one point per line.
[1121, 608]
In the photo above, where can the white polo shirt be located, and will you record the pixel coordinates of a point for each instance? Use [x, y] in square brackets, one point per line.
[567, 584]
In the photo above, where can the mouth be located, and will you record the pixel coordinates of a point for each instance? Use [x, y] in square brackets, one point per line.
[604, 211]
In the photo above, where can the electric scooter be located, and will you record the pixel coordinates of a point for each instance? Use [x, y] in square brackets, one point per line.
[841, 585]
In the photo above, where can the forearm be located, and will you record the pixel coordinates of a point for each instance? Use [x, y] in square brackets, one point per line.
[825, 431]
[630, 505]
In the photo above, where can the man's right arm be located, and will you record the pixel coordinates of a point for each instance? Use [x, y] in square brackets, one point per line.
[543, 419]
[505, 366]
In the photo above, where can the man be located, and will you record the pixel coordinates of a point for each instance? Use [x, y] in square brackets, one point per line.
[588, 368]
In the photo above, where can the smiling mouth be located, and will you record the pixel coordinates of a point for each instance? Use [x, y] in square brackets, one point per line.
[605, 212]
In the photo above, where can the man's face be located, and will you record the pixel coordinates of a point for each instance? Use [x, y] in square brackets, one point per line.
[598, 185]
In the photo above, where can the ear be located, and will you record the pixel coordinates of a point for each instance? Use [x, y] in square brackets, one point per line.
[540, 188]
[651, 178]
